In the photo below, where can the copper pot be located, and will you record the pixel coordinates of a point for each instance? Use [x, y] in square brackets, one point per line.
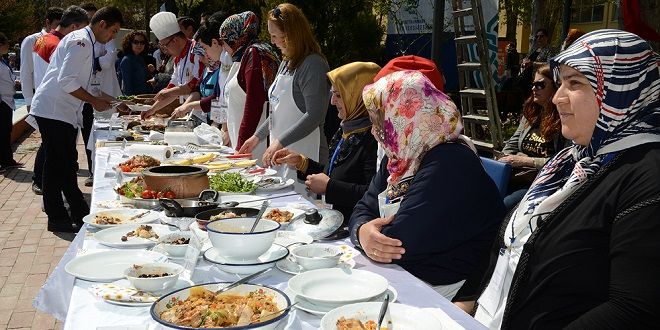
[184, 181]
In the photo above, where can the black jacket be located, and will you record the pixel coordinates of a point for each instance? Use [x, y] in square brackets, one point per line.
[595, 261]
[356, 165]
[448, 218]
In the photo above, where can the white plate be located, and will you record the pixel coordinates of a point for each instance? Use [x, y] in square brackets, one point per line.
[296, 214]
[403, 317]
[180, 284]
[112, 236]
[266, 260]
[244, 172]
[275, 187]
[128, 174]
[244, 200]
[307, 306]
[291, 267]
[288, 238]
[124, 213]
[107, 266]
[138, 107]
[337, 286]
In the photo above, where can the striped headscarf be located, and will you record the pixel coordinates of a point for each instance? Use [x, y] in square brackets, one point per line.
[624, 74]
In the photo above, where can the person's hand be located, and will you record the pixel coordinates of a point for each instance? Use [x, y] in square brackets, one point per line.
[147, 114]
[151, 68]
[317, 183]
[100, 104]
[466, 306]
[181, 111]
[248, 145]
[226, 141]
[286, 156]
[376, 245]
[270, 151]
[152, 82]
[164, 94]
[517, 161]
[526, 63]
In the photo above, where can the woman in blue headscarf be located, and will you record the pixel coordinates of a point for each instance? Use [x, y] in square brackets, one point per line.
[582, 248]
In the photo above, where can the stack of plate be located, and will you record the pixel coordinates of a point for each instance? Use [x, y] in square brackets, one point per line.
[319, 291]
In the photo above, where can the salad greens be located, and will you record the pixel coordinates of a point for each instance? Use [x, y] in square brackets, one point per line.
[231, 182]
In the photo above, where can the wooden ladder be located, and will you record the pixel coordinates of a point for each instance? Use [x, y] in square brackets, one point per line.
[474, 98]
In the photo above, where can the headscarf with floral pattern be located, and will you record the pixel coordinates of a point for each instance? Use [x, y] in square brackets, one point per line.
[410, 117]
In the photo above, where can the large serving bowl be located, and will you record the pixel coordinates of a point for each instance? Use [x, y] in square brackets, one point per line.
[279, 298]
[232, 237]
[203, 218]
[337, 286]
[154, 284]
[184, 181]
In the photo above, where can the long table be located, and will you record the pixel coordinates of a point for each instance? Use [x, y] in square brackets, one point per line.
[69, 300]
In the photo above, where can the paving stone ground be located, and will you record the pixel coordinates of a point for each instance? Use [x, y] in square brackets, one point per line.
[29, 252]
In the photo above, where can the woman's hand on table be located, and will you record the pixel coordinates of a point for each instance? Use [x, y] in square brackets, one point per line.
[286, 156]
[181, 111]
[376, 245]
[317, 183]
[248, 145]
[518, 160]
[270, 151]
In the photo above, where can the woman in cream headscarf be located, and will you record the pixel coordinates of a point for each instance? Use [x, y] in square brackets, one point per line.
[431, 208]
[353, 149]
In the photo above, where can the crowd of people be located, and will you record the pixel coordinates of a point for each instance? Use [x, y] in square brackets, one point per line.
[572, 244]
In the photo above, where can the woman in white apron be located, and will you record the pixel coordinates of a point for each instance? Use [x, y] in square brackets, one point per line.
[420, 210]
[254, 68]
[298, 99]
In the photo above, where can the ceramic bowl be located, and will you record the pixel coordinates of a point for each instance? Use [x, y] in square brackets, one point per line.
[316, 256]
[175, 250]
[153, 284]
[231, 237]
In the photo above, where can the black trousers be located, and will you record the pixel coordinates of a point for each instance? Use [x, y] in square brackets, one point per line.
[60, 172]
[88, 122]
[38, 171]
[6, 115]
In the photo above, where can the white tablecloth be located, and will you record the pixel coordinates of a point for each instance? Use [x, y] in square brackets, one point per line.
[68, 299]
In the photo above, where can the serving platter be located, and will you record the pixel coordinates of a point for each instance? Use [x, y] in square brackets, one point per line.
[108, 266]
[123, 213]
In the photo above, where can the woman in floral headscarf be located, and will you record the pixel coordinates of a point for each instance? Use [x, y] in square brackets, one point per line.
[345, 178]
[582, 249]
[253, 71]
[431, 208]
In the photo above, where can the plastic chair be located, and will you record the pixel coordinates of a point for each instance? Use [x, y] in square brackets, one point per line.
[499, 172]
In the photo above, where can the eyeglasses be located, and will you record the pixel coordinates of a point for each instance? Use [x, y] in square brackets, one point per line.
[538, 84]
[277, 13]
[167, 43]
[139, 42]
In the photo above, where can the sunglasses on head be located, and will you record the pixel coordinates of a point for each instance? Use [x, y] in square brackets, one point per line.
[277, 13]
[538, 84]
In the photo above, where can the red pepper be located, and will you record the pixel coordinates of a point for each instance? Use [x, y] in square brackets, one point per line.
[239, 156]
[258, 170]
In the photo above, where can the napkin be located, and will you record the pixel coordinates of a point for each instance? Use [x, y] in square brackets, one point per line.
[121, 293]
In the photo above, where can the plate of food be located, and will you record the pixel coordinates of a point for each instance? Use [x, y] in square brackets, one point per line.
[365, 315]
[136, 193]
[312, 308]
[231, 184]
[136, 164]
[170, 309]
[107, 266]
[122, 293]
[283, 215]
[273, 183]
[133, 236]
[115, 217]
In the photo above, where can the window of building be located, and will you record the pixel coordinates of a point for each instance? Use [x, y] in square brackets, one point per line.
[585, 11]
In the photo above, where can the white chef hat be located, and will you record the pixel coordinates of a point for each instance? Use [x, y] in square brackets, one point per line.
[164, 24]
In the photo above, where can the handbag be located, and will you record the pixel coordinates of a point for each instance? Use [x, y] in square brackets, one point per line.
[522, 177]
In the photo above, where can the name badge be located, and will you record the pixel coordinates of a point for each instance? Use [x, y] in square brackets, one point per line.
[95, 86]
[491, 299]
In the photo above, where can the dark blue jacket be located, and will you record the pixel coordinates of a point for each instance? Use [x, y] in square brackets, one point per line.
[134, 75]
[448, 219]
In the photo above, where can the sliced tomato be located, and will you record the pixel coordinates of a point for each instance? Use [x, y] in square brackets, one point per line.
[125, 168]
[147, 194]
[169, 194]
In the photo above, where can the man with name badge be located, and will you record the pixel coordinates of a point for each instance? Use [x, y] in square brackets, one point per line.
[57, 107]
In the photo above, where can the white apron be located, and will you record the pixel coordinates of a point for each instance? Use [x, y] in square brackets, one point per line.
[285, 112]
[235, 97]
